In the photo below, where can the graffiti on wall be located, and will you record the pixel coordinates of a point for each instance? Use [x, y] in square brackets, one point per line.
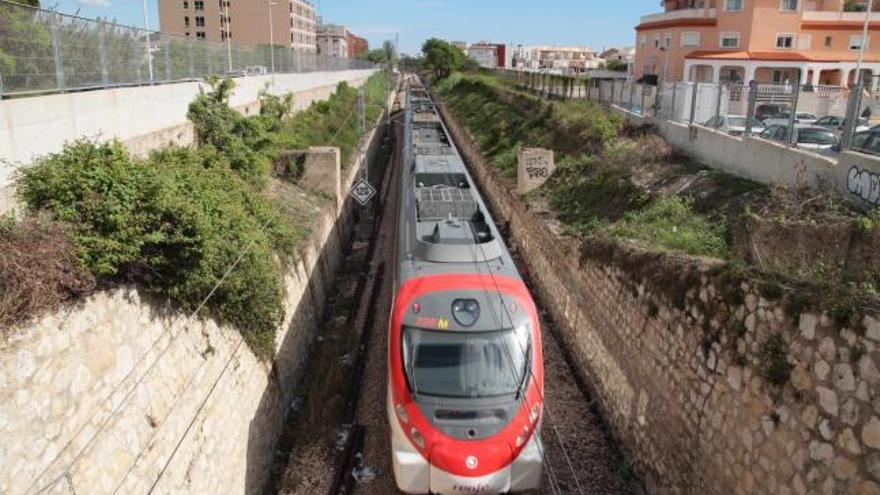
[865, 184]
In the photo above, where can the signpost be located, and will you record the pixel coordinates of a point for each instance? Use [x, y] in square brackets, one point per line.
[362, 192]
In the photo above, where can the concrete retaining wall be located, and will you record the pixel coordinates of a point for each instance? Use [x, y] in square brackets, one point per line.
[143, 118]
[853, 175]
[119, 394]
[673, 352]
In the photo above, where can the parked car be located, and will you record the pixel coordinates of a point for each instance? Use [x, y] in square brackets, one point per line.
[734, 125]
[800, 118]
[838, 123]
[812, 138]
[867, 141]
[766, 111]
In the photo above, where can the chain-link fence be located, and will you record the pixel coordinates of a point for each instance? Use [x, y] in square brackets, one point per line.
[820, 119]
[43, 51]
[638, 98]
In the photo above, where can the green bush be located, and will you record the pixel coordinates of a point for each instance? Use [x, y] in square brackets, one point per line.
[246, 142]
[333, 122]
[173, 224]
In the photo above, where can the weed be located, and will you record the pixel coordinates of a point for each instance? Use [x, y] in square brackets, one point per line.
[773, 364]
[672, 224]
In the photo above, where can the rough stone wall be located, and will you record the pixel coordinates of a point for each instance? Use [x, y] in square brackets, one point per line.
[671, 349]
[122, 394]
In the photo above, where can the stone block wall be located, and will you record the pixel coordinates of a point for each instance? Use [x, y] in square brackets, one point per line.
[122, 394]
[676, 355]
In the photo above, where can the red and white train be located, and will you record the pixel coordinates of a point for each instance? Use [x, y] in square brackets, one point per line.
[465, 370]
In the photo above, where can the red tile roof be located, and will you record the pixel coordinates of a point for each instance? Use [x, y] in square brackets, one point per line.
[780, 56]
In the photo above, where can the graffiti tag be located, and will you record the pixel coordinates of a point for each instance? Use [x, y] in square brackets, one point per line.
[864, 184]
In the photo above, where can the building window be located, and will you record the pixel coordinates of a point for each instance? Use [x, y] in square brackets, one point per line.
[200, 21]
[789, 5]
[657, 40]
[828, 40]
[667, 40]
[690, 39]
[785, 41]
[199, 5]
[855, 42]
[729, 40]
[185, 4]
[200, 35]
[186, 21]
[733, 5]
[643, 40]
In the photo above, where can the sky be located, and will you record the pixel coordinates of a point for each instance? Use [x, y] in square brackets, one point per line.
[594, 23]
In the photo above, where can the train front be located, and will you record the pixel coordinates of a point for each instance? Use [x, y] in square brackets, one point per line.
[465, 386]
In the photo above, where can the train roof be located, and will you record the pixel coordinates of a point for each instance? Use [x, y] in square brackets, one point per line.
[445, 225]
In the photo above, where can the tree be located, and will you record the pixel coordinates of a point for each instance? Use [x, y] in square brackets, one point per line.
[442, 58]
[616, 65]
[388, 50]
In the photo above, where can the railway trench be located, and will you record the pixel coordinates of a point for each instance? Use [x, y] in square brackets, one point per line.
[337, 439]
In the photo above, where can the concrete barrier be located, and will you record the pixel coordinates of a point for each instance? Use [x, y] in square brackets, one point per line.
[144, 118]
[853, 175]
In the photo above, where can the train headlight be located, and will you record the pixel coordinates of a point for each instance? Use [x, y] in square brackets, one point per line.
[401, 413]
[521, 439]
[417, 437]
[535, 413]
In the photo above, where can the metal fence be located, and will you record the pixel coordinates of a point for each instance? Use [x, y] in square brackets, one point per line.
[43, 51]
[819, 119]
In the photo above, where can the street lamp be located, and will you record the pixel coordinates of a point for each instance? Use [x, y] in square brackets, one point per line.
[864, 40]
[228, 35]
[272, 35]
[149, 51]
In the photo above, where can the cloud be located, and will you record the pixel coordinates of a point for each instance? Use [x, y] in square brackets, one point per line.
[95, 3]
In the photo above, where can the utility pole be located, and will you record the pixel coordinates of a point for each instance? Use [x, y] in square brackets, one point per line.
[362, 128]
[149, 50]
[855, 103]
[271, 34]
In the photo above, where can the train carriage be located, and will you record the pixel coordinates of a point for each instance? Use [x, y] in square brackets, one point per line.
[465, 373]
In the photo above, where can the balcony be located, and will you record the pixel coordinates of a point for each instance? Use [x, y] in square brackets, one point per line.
[825, 16]
[676, 15]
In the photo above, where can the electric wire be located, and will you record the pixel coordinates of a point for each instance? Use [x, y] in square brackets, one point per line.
[552, 476]
[543, 400]
[65, 474]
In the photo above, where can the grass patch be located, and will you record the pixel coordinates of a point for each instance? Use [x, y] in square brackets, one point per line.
[671, 223]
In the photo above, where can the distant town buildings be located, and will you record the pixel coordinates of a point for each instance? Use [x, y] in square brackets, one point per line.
[488, 55]
[332, 41]
[356, 45]
[625, 54]
[557, 59]
[293, 21]
[814, 42]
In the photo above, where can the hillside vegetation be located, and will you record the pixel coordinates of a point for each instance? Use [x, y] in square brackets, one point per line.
[181, 220]
[617, 184]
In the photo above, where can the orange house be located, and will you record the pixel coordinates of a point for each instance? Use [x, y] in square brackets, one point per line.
[795, 41]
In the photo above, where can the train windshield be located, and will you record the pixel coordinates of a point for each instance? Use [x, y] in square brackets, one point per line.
[466, 365]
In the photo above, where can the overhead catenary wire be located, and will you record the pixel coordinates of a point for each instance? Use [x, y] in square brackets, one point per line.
[547, 464]
[530, 371]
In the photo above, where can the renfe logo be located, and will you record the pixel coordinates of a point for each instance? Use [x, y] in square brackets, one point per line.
[471, 489]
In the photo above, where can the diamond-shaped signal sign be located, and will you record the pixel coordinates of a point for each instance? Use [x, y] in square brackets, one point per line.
[362, 192]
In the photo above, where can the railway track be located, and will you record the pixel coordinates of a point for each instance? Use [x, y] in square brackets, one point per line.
[340, 442]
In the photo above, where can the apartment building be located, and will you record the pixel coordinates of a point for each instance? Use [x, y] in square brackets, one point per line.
[293, 22]
[356, 45]
[332, 41]
[488, 55]
[556, 59]
[814, 42]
